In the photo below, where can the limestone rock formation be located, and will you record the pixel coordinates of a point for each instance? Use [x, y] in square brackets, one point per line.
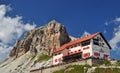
[42, 40]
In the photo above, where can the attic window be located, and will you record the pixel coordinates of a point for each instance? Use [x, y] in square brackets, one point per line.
[71, 46]
[59, 53]
[55, 54]
[67, 47]
[85, 43]
[75, 45]
[95, 41]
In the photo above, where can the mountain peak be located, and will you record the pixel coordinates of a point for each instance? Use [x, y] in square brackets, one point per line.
[53, 21]
[43, 40]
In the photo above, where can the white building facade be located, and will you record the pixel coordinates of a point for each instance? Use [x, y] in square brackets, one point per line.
[92, 46]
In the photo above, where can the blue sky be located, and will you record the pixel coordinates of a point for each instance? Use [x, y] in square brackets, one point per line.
[79, 16]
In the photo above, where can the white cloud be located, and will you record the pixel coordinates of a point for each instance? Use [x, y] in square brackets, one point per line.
[115, 41]
[10, 29]
[115, 21]
[104, 31]
[106, 23]
[4, 51]
[85, 34]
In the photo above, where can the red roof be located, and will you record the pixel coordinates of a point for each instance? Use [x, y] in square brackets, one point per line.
[78, 41]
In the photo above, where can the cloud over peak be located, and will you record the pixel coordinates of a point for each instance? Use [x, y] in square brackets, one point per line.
[11, 29]
[115, 40]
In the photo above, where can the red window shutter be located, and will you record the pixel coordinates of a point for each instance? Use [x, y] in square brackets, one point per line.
[96, 54]
[106, 56]
[68, 53]
[86, 55]
[85, 48]
[79, 50]
[55, 60]
[75, 51]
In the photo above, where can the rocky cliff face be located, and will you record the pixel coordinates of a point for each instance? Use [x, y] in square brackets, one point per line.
[42, 40]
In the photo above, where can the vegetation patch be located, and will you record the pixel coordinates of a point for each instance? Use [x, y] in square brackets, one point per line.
[43, 57]
[107, 63]
[72, 69]
[59, 71]
[118, 63]
[107, 70]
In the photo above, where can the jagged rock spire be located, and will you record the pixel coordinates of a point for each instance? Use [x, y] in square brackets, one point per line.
[44, 39]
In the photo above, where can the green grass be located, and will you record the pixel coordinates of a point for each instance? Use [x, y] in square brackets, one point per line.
[118, 63]
[72, 69]
[76, 69]
[81, 69]
[59, 71]
[43, 57]
[107, 63]
[107, 70]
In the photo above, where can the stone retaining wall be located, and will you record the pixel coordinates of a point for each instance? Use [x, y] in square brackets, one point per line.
[82, 62]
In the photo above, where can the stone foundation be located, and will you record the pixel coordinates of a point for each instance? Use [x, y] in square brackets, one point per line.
[63, 66]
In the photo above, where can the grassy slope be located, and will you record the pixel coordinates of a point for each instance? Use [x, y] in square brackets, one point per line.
[80, 69]
[72, 69]
[43, 57]
[107, 70]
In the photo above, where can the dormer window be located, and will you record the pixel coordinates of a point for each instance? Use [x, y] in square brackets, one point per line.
[85, 43]
[55, 54]
[75, 45]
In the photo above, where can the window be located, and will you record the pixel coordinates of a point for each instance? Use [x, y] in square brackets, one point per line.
[86, 55]
[75, 45]
[55, 60]
[55, 54]
[67, 47]
[78, 44]
[59, 53]
[85, 48]
[85, 43]
[79, 50]
[96, 54]
[75, 51]
[68, 53]
[71, 46]
[106, 56]
[95, 41]
[71, 52]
